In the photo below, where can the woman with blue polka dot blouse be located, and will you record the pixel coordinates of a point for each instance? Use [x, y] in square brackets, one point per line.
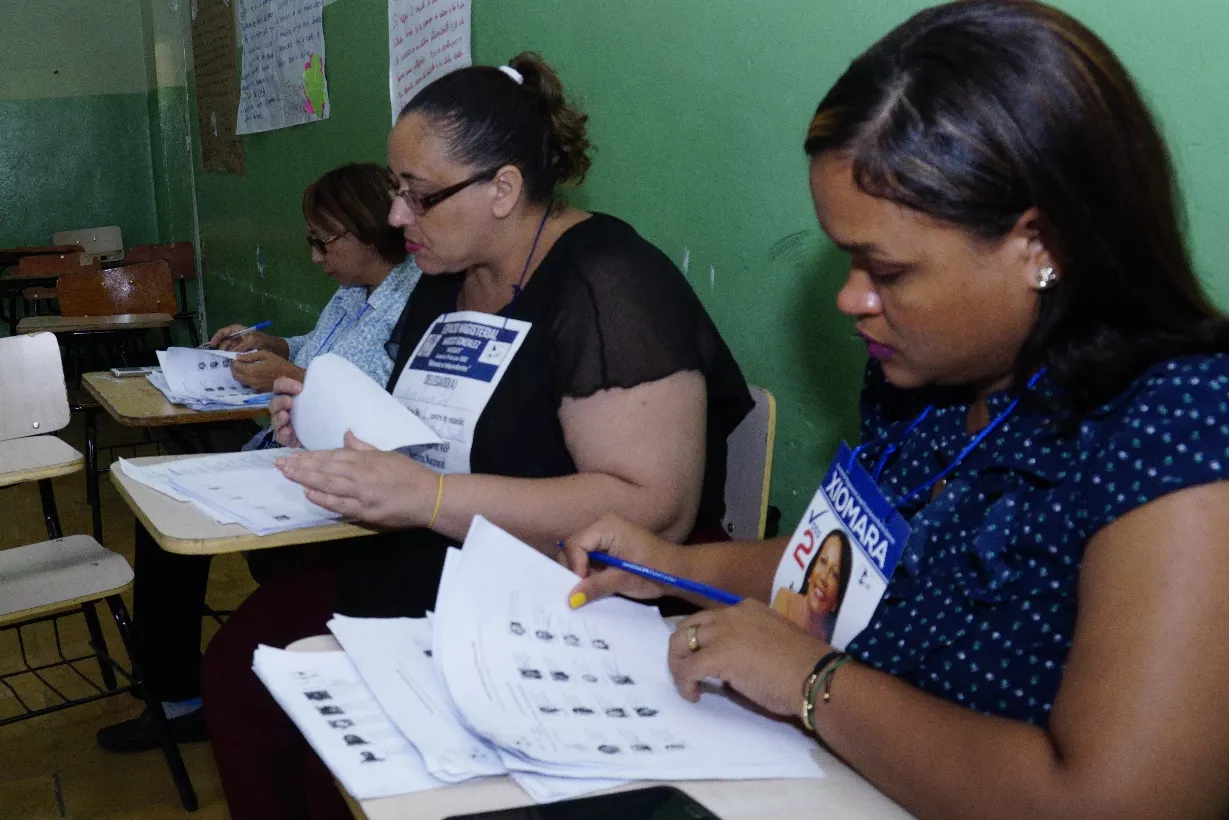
[1053, 642]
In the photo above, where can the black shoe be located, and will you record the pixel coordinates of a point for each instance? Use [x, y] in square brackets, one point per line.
[137, 735]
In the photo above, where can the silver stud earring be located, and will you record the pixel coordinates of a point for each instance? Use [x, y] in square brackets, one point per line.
[1046, 278]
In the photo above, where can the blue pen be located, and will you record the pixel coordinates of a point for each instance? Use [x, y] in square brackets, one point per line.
[718, 595]
[257, 326]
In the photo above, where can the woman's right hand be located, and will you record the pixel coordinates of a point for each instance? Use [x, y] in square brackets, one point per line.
[279, 411]
[248, 341]
[616, 537]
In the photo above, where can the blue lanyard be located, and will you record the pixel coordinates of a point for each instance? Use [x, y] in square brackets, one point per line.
[324, 346]
[970, 447]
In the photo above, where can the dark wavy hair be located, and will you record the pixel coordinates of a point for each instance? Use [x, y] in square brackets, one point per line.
[974, 112]
[356, 198]
[489, 121]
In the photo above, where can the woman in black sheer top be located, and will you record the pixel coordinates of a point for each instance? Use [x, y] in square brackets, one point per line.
[619, 398]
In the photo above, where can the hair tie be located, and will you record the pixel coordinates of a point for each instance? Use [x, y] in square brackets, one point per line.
[513, 73]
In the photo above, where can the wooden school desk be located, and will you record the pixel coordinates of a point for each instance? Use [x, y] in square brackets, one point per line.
[842, 795]
[122, 323]
[134, 402]
[179, 527]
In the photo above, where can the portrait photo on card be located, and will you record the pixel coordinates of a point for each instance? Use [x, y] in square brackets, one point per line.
[816, 605]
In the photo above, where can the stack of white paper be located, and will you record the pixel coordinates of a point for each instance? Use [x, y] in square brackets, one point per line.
[235, 488]
[506, 678]
[325, 697]
[202, 380]
[247, 489]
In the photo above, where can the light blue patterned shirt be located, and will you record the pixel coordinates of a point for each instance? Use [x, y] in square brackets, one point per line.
[355, 326]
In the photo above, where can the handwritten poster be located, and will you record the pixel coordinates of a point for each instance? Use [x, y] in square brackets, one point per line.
[426, 39]
[217, 86]
[283, 79]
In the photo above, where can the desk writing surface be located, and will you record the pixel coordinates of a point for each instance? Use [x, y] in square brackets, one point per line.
[87, 324]
[134, 402]
[179, 527]
[842, 795]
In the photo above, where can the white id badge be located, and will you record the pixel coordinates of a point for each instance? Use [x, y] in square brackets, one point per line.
[838, 562]
[451, 376]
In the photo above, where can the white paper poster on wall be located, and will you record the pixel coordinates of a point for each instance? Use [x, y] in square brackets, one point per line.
[283, 78]
[426, 39]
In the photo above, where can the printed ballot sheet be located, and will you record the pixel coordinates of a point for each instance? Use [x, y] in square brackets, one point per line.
[327, 699]
[248, 489]
[235, 488]
[587, 692]
[394, 657]
[202, 379]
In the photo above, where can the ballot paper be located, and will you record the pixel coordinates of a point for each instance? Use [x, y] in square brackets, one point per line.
[505, 677]
[247, 489]
[235, 488]
[586, 693]
[394, 656]
[202, 379]
[337, 397]
[327, 699]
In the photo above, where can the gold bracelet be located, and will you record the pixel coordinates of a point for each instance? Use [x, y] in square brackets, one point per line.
[439, 496]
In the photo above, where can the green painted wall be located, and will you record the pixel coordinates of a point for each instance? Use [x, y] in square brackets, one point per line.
[257, 263]
[93, 120]
[698, 109]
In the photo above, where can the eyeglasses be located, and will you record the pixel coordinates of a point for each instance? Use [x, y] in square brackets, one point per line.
[421, 204]
[321, 246]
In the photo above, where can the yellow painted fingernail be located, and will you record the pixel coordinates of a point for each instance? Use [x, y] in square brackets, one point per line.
[577, 600]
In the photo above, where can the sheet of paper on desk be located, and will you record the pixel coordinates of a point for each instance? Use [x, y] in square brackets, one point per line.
[337, 397]
[586, 693]
[203, 374]
[392, 655]
[235, 488]
[327, 699]
[262, 500]
[201, 380]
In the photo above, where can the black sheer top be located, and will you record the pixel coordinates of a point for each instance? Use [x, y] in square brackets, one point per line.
[607, 309]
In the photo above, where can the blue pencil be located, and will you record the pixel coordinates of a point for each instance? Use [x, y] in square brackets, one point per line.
[257, 326]
[718, 595]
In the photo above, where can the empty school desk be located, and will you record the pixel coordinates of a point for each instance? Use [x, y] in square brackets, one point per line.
[179, 527]
[134, 402]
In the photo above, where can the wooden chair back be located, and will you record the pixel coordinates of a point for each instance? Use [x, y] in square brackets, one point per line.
[176, 254]
[33, 400]
[57, 264]
[748, 471]
[142, 288]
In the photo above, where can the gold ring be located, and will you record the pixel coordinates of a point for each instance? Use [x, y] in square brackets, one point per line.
[693, 642]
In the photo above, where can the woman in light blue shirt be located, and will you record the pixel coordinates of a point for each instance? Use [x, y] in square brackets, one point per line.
[346, 212]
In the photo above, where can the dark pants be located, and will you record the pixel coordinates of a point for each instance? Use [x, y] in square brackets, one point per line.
[168, 598]
[267, 769]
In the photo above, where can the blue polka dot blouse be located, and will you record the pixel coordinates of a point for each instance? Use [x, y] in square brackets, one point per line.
[981, 608]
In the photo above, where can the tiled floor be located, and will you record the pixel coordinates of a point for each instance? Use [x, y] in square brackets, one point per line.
[50, 767]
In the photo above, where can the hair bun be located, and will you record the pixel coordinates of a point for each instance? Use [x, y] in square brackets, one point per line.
[569, 146]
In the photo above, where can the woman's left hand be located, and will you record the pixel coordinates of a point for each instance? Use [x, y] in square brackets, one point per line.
[260, 368]
[758, 653]
[360, 482]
